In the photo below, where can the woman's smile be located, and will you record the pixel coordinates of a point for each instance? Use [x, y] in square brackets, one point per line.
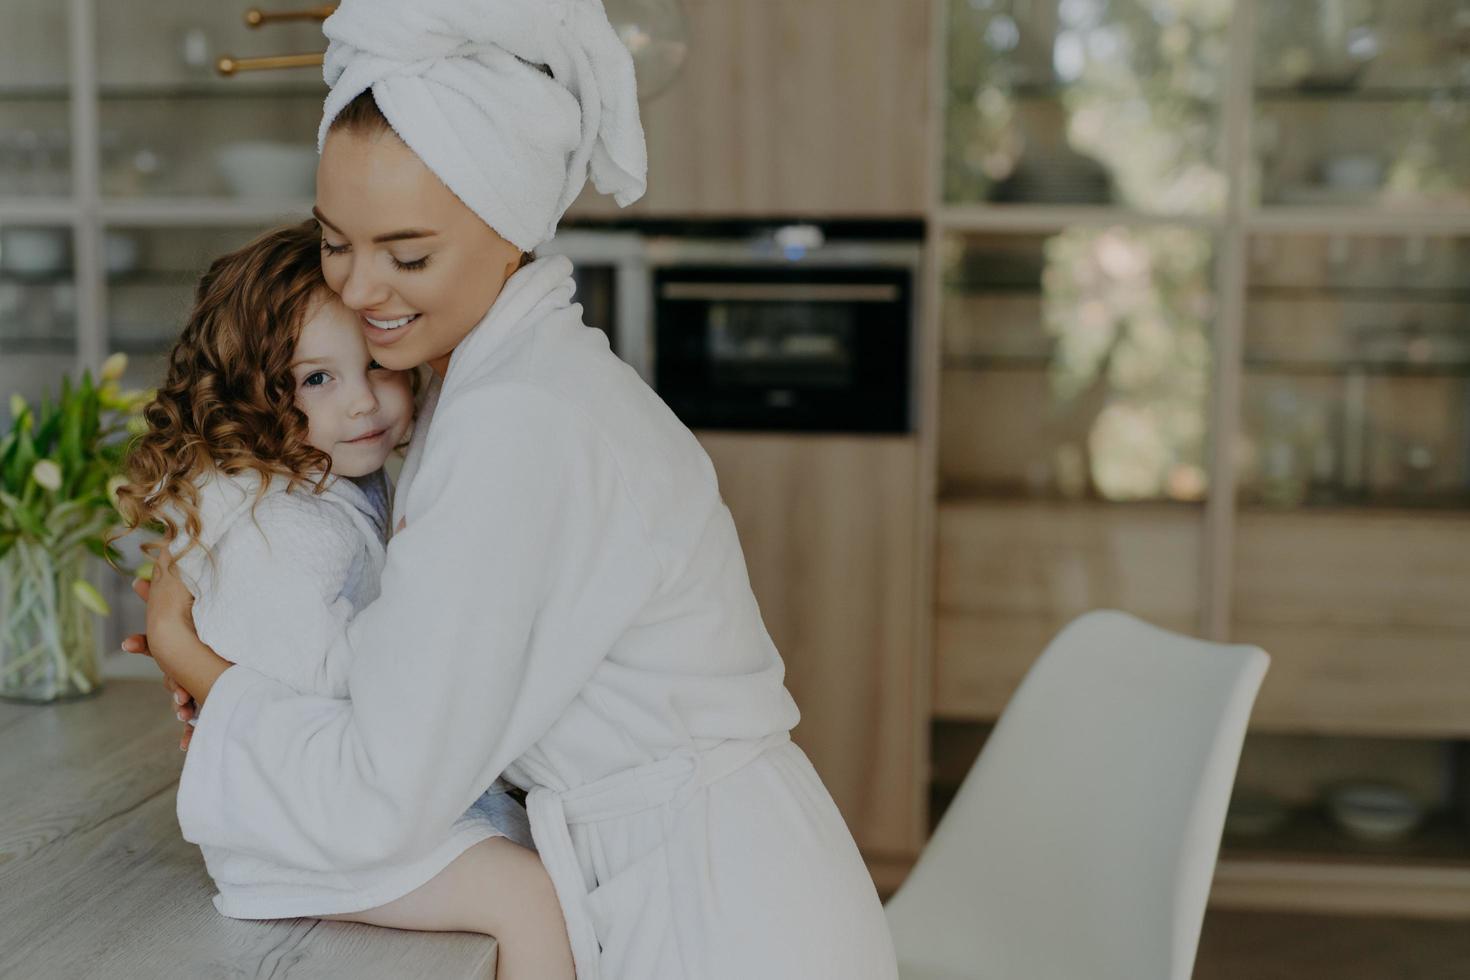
[383, 332]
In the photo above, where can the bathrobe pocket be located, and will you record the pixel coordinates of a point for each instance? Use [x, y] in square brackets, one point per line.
[633, 916]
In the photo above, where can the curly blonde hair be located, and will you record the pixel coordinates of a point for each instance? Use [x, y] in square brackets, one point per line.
[228, 403]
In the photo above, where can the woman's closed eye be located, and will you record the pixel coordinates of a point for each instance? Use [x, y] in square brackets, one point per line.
[331, 249]
[410, 265]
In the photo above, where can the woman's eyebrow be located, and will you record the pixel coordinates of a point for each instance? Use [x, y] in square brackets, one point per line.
[392, 236]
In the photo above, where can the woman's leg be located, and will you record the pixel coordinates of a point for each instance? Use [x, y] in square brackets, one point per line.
[497, 888]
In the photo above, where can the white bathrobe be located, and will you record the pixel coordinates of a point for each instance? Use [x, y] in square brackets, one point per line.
[279, 582]
[568, 605]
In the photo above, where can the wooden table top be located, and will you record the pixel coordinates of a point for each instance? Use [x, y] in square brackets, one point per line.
[95, 880]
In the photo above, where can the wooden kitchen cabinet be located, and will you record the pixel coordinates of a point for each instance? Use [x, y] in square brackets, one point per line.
[1204, 358]
[813, 107]
[829, 526]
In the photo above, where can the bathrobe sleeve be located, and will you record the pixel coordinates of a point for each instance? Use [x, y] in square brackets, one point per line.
[523, 561]
[274, 594]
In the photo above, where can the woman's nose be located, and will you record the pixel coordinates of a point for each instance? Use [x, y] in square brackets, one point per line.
[362, 290]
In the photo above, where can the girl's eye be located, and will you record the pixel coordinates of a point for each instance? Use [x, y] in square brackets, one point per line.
[412, 265]
[331, 249]
[314, 379]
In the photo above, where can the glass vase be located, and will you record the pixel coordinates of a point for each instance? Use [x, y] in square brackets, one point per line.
[47, 646]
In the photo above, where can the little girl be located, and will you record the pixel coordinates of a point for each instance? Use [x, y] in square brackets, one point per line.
[263, 461]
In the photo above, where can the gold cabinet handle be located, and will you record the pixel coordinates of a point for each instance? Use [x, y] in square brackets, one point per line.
[228, 66]
[255, 17]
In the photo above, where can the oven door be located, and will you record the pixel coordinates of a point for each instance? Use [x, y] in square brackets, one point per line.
[806, 349]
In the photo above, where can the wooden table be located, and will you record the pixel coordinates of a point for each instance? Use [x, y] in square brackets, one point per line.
[95, 880]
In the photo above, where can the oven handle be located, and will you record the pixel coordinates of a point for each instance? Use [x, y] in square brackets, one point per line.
[799, 292]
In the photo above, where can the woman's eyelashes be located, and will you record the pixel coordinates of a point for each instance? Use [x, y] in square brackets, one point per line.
[404, 265]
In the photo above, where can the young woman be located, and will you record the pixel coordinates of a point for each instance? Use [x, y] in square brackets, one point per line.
[567, 603]
[264, 460]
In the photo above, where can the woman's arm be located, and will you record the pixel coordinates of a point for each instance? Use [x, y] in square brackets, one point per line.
[522, 562]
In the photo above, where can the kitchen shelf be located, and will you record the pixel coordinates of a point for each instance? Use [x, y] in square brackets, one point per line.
[225, 90]
[1390, 369]
[1309, 834]
[1421, 94]
[38, 345]
[163, 212]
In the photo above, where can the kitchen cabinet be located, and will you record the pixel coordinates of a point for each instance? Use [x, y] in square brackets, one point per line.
[125, 164]
[1200, 352]
[813, 108]
[829, 529]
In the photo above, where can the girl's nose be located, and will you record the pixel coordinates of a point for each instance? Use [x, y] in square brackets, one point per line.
[364, 400]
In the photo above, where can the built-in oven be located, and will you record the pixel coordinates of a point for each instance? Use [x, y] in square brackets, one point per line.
[798, 327]
[760, 325]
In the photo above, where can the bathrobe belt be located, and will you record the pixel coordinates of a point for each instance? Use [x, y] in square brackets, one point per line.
[673, 780]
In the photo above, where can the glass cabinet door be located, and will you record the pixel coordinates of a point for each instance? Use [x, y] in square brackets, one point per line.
[1363, 102]
[35, 135]
[1352, 545]
[1073, 442]
[38, 297]
[171, 126]
[1086, 102]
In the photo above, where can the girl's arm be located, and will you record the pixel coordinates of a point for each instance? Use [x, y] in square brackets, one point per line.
[273, 597]
[522, 562]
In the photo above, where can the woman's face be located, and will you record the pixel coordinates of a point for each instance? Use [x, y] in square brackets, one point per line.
[418, 267]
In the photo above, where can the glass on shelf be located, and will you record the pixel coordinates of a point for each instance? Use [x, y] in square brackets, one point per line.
[1363, 103]
[1356, 388]
[171, 127]
[1086, 102]
[38, 310]
[1077, 365]
[35, 141]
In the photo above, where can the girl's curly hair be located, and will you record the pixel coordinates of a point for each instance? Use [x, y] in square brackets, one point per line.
[228, 402]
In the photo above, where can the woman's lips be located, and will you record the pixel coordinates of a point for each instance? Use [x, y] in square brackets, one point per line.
[383, 337]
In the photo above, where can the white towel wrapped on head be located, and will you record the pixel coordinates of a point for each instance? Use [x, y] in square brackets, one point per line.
[459, 81]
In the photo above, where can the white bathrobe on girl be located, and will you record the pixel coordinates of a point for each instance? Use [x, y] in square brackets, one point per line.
[568, 604]
[276, 579]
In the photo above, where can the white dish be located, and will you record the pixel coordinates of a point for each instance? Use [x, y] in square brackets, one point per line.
[34, 251]
[268, 169]
[1375, 811]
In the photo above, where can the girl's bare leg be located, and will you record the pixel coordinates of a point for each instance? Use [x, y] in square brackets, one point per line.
[497, 888]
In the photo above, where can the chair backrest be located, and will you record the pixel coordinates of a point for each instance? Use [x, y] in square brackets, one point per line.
[1082, 843]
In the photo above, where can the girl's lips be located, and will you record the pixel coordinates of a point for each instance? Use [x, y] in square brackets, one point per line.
[381, 337]
[370, 437]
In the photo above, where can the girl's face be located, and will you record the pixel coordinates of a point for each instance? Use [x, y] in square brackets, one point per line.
[418, 266]
[357, 410]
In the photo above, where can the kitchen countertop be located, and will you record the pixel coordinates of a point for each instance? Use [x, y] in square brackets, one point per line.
[96, 881]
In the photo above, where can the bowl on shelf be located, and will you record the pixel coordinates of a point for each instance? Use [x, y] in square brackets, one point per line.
[1378, 812]
[268, 169]
[35, 252]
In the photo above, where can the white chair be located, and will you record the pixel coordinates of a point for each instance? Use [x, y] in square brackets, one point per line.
[1082, 843]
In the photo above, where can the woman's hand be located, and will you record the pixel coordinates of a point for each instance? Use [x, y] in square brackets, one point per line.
[183, 701]
[189, 666]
